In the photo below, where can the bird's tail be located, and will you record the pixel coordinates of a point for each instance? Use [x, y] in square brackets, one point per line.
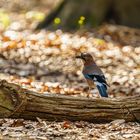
[102, 90]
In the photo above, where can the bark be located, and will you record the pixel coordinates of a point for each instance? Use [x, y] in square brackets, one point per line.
[16, 102]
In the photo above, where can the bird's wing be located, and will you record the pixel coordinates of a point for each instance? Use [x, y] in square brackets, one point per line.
[102, 90]
[97, 78]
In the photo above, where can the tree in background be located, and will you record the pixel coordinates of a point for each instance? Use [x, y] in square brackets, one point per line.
[72, 14]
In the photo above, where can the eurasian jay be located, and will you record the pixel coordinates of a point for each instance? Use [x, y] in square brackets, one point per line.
[93, 74]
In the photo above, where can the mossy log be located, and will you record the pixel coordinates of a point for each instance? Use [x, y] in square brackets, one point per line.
[17, 102]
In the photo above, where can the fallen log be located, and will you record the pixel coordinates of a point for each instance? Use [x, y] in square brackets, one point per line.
[17, 102]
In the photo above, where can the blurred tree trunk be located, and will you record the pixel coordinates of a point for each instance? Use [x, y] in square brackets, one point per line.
[92, 13]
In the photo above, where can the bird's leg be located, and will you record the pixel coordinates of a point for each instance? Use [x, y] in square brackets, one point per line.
[88, 92]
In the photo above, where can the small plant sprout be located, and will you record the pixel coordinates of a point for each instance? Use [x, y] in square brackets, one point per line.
[81, 21]
[57, 21]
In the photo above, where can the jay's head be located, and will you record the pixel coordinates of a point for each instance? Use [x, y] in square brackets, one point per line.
[86, 57]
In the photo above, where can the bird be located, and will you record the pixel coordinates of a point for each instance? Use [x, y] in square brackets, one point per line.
[93, 74]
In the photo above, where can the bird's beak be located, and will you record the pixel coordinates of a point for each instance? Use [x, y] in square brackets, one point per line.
[78, 57]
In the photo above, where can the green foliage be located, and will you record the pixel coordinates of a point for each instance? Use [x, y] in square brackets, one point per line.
[4, 19]
[35, 15]
[57, 21]
[81, 21]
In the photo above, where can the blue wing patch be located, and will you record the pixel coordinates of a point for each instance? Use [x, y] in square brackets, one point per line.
[97, 78]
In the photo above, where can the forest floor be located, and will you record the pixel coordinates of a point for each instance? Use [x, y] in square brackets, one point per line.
[44, 61]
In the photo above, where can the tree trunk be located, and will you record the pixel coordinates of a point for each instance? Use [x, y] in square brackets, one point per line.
[16, 102]
[95, 12]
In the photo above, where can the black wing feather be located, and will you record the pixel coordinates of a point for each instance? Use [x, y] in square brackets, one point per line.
[99, 78]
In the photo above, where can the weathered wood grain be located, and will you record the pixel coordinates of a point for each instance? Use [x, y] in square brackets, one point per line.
[16, 102]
